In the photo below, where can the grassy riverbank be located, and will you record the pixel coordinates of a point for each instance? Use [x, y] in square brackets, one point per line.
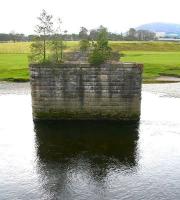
[14, 67]
[159, 58]
[156, 63]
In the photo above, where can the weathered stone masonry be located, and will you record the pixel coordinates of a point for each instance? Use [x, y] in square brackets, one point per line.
[81, 91]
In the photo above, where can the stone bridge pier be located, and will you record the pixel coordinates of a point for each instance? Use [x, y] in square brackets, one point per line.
[73, 91]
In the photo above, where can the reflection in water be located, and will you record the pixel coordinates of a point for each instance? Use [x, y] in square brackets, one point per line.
[80, 155]
[88, 160]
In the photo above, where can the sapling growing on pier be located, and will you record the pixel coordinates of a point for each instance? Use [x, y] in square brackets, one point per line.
[44, 29]
[57, 43]
[101, 52]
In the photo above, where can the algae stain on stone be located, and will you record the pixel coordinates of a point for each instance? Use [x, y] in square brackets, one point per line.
[81, 88]
[98, 84]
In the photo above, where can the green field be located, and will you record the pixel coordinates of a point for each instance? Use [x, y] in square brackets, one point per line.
[155, 63]
[14, 67]
[159, 58]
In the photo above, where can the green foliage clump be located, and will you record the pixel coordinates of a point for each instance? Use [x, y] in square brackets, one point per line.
[98, 56]
[101, 52]
[37, 51]
[57, 47]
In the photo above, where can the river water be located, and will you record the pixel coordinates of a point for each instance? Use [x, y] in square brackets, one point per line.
[90, 160]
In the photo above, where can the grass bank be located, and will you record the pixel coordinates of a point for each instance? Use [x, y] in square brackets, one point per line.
[14, 67]
[159, 58]
[155, 63]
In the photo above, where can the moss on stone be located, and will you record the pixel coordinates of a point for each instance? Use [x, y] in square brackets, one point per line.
[67, 115]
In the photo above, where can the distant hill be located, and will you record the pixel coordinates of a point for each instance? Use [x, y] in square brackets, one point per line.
[167, 28]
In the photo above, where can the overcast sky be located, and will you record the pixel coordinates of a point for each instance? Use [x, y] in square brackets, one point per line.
[116, 15]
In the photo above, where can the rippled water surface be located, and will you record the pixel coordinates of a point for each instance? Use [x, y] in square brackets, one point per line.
[90, 160]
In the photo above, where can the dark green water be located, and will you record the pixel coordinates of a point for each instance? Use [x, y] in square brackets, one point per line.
[90, 160]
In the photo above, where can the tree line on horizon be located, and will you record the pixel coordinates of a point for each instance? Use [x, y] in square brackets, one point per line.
[131, 35]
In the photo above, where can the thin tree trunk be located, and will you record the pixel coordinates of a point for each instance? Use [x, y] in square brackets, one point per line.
[44, 41]
[61, 49]
[44, 49]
